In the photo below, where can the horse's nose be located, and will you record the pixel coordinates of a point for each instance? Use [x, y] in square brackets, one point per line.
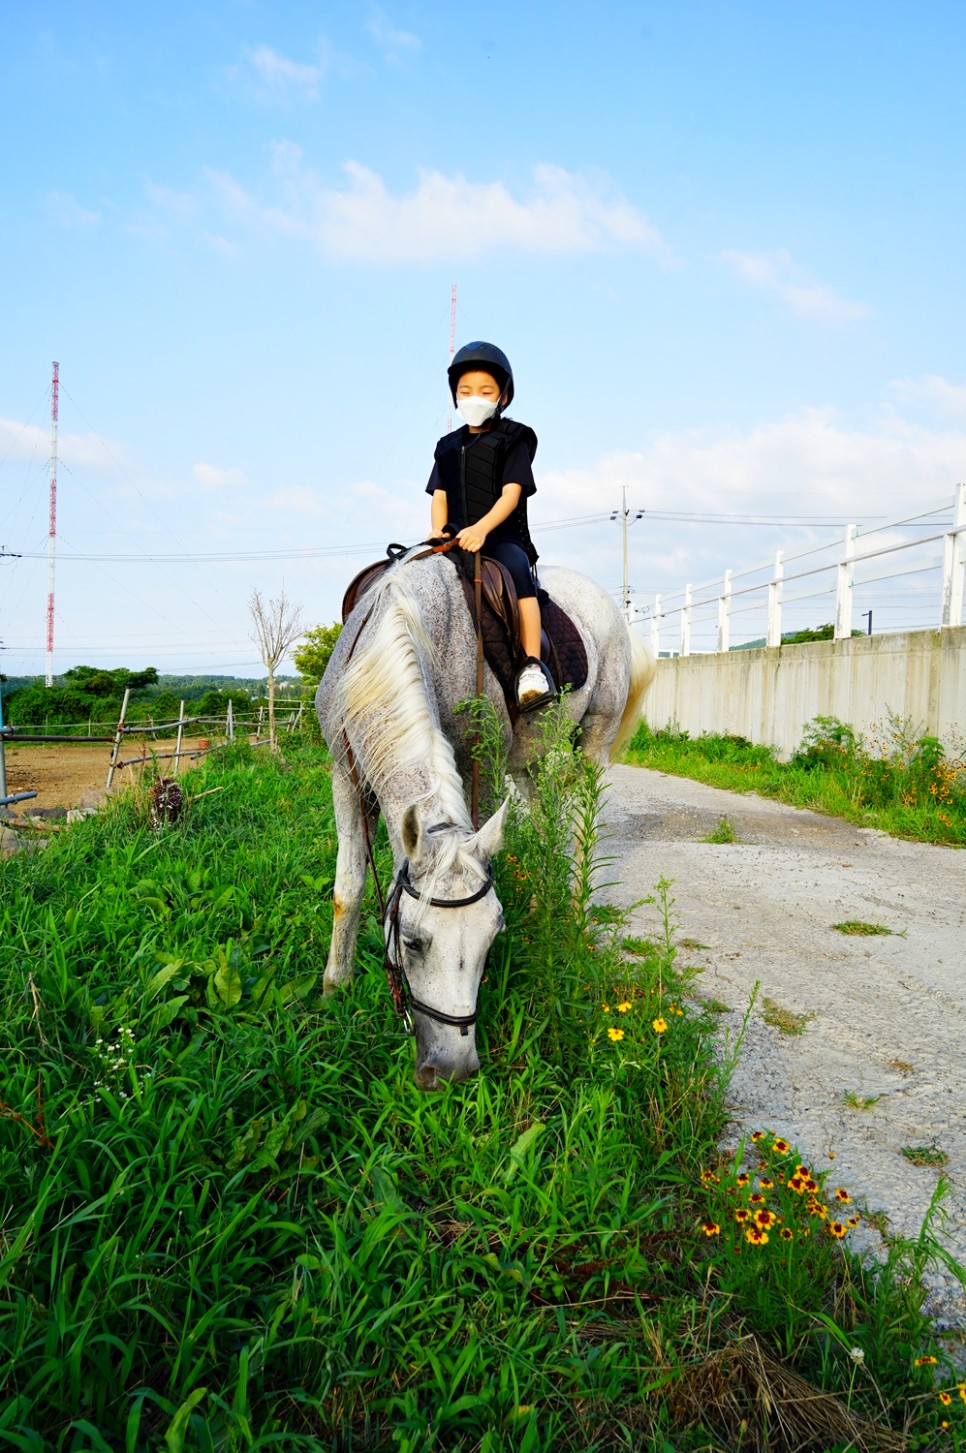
[434, 1070]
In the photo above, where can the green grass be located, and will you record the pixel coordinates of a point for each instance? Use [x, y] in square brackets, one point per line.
[228, 1219]
[931, 1155]
[786, 1021]
[904, 784]
[856, 928]
[852, 1100]
[722, 832]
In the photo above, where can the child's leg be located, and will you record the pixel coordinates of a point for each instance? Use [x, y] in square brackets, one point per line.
[530, 625]
[514, 558]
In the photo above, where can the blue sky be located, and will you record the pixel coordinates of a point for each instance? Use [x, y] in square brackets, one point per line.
[721, 244]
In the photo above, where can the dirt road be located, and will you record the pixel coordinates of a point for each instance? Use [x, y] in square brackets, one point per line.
[879, 1064]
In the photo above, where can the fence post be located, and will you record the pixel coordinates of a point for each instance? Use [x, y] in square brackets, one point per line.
[724, 614]
[773, 635]
[843, 587]
[954, 563]
[656, 628]
[230, 724]
[177, 745]
[261, 713]
[118, 738]
[686, 623]
[294, 725]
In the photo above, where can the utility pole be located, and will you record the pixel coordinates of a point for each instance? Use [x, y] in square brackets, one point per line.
[52, 524]
[623, 514]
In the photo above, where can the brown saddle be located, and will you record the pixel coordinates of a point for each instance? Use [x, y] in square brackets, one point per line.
[562, 650]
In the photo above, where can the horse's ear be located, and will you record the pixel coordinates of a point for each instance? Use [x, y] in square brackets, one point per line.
[489, 839]
[411, 834]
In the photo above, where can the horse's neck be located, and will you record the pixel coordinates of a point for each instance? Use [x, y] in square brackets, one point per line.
[393, 720]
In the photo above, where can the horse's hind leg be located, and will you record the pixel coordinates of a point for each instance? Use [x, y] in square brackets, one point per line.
[350, 881]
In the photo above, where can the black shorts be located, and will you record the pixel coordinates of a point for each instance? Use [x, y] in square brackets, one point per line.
[514, 559]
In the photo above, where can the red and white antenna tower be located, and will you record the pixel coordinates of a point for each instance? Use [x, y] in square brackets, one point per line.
[52, 526]
[452, 343]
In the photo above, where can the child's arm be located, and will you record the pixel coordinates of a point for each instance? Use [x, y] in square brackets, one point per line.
[473, 537]
[440, 510]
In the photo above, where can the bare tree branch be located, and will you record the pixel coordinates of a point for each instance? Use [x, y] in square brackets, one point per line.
[277, 625]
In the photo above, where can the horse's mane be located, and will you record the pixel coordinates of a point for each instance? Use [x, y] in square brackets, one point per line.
[385, 703]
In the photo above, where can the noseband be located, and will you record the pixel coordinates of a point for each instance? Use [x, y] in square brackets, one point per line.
[402, 995]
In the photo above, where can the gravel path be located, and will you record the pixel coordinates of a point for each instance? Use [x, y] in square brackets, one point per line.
[886, 1014]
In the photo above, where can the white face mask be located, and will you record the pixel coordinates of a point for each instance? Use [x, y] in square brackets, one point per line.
[475, 411]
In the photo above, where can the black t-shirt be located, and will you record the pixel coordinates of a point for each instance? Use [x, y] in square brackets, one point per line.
[517, 469]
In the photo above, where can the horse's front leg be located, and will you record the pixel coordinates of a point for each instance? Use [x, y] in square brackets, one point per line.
[350, 881]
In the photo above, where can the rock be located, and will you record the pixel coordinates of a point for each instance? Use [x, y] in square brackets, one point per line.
[92, 798]
[78, 814]
[12, 843]
[47, 814]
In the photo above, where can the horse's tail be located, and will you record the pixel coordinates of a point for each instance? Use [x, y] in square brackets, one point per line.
[643, 667]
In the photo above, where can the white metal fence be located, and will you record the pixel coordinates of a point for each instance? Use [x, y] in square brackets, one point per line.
[923, 555]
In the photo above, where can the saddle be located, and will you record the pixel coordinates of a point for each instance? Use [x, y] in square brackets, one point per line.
[562, 650]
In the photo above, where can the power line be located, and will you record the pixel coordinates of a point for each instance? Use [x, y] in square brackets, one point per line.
[569, 522]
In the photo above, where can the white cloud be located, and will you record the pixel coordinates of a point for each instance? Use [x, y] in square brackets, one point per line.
[77, 451]
[808, 464]
[217, 243]
[299, 499]
[445, 217]
[68, 213]
[936, 393]
[779, 276]
[282, 76]
[210, 477]
[394, 44]
[181, 204]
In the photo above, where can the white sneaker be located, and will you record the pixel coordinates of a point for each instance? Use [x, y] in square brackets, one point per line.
[531, 685]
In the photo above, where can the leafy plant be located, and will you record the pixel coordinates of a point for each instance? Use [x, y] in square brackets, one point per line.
[722, 832]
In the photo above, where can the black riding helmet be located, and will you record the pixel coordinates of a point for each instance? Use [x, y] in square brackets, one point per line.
[487, 358]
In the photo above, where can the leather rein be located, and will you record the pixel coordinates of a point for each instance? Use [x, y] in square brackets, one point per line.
[405, 1002]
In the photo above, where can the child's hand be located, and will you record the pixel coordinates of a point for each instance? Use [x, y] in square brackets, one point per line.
[472, 538]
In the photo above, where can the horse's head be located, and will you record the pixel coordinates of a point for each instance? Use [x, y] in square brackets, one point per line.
[443, 916]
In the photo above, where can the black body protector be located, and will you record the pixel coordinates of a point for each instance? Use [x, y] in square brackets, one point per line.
[470, 468]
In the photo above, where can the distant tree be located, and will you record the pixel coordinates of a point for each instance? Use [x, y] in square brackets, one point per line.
[812, 633]
[101, 683]
[138, 680]
[36, 705]
[312, 656]
[215, 703]
[276, 626]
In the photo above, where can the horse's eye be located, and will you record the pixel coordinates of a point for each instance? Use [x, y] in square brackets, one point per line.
[414, 945]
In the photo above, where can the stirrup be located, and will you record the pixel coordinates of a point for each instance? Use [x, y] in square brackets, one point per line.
[534, 703]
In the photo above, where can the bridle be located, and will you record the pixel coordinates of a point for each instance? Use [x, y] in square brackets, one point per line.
[402, 995]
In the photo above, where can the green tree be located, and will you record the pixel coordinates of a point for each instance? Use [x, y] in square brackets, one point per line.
[312, 656]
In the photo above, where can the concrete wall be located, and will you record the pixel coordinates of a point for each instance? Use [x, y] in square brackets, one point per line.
[769, 695]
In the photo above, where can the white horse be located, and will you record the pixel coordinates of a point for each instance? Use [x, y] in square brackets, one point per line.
[387, 703]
